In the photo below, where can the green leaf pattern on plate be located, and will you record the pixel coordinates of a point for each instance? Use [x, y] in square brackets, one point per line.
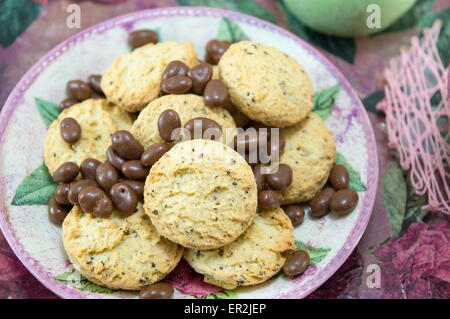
[48, 111]
[75, 280]
[158, 32]
[324, 101]
[39, 186]
[316, 254]
[355, 178]
[224, 294]
[35, 189]
[230, 31]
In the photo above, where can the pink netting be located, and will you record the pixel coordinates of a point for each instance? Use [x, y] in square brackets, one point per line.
[417, 109]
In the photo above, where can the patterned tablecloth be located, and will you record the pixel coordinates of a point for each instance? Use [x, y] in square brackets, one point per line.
[411, 246]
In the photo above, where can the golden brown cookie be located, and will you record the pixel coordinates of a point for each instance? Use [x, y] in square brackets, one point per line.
[134, 80]
[240, 118]
[266, 84]
[201, 194]
[118, 252]
[188, 106]
[310, 151]
[98, 119]
[253, 258]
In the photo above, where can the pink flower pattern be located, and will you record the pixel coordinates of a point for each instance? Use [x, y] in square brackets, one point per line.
[188, 282]
[417, 265]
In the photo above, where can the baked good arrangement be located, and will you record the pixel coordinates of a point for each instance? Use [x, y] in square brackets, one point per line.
[164, 157]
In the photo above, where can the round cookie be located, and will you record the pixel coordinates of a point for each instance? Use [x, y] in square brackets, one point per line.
[267, 85]
[133, 80]
[118, 252]
[240, 118]
[253, 258]
[122, 119]
[310, 151]
[201, 194]
[188, 106]
[98, 119]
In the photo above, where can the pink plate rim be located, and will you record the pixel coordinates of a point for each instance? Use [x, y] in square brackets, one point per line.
[302, 288]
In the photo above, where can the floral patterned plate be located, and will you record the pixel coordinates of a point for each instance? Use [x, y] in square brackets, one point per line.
[25, 185]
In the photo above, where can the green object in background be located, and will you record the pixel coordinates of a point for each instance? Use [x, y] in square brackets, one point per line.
[75, 280]
[250, 7]
[403, 205]
[443, 42]
[343, 48]
[346, 18]
[15, 17]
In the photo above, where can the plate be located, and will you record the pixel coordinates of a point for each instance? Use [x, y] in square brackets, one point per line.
[23, 218]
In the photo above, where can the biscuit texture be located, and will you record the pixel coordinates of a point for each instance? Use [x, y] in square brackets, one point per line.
[118, 252]
[253, 258]
[266, 84]
[310, 151]
[133, 80]
[188, 106]
[239, 118]
[201, 194]
[98, 119]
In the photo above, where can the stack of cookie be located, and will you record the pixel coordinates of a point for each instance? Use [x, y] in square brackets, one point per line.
[163, 176]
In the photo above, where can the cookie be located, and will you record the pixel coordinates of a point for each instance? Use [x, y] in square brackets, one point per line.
[98, 119]
[267, 85]
[201, 194]
[133, 80]
[118, 252]
[188, 106]
[239, 118]
[215, 72]
[253, 258]
[310, 151]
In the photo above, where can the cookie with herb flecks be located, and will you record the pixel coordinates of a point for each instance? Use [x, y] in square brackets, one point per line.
[187, 106]
[134, 80]
[266, 84]
[98, 119]
[310, 151]
[240, 118]
[201, 194]
[118, 252]
[253, 258]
